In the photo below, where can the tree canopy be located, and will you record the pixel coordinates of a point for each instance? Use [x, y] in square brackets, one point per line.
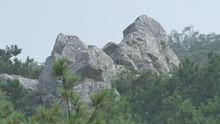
[11, 65]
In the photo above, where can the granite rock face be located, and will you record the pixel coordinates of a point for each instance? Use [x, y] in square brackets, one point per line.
[144, 47]
[94, 66]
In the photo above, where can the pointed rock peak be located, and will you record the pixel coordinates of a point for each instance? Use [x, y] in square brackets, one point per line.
[63, 40]
[144, 18]
[66, 38]
[145, 25]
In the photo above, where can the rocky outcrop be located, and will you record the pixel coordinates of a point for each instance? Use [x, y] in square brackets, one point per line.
[30, 85]
[31, 96]
[144, 47]
[94, 66]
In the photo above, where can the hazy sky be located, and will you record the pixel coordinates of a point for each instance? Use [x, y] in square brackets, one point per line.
[34, 24]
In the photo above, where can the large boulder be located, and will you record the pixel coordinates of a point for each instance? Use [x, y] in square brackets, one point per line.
[94, 66]
[144, 47]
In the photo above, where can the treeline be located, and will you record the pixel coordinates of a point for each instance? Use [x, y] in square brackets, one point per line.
[191, 95]
[11, 65]
[194, 45]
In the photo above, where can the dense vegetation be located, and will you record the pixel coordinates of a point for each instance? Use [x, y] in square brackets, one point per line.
[190, 95]
[194, 45]
[11, 65]
[12, 111]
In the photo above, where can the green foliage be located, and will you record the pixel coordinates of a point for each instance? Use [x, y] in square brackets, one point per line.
[59, 67]
[194, 45]
[186, 114]
[47, 116]
[6, 107]
[18, 96]
[7, 113]
[11, 65]
[9, 52]
[76, 111]
[189, 96]
[15, 92]
[120, 113]
[100, 102]
[14, 118]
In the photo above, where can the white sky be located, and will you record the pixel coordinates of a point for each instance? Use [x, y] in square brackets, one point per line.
[34, 24]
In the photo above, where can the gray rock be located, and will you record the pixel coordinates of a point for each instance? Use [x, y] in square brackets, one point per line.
[92, 64]
[144, 47]
[30, 85]
[87, 87]
[109, 48]
[32, 96]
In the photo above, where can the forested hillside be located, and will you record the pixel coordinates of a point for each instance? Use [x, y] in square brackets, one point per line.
[194, 45]
[189, 95]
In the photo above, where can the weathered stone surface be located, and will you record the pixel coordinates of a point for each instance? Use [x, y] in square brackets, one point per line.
[87, 87]
[94, 64]
[109, 48]
[144, 47]
[30, 85]
[89, 62]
